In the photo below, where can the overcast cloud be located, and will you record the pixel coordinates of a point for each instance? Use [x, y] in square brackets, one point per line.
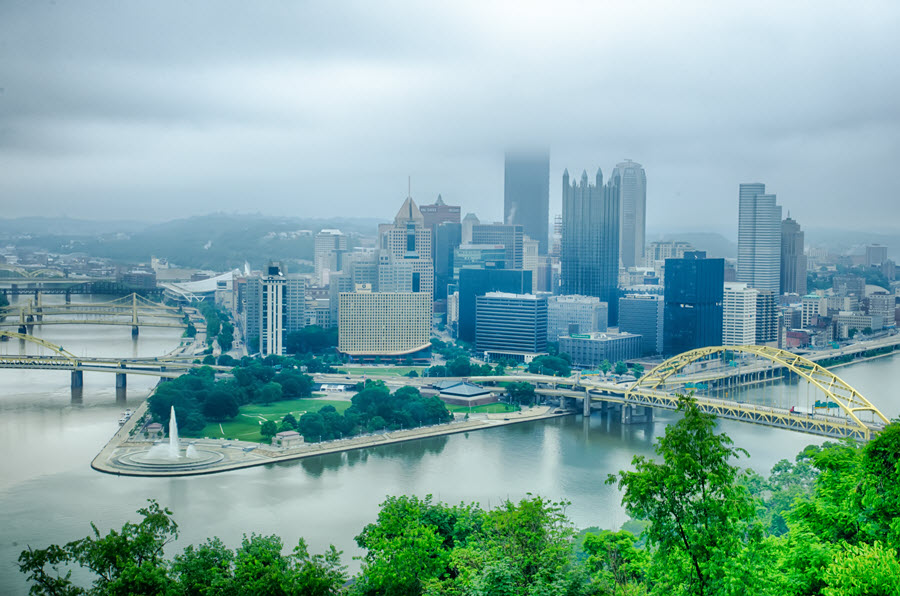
[157, 110]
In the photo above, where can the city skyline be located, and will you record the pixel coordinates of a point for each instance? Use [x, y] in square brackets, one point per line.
[270, 118]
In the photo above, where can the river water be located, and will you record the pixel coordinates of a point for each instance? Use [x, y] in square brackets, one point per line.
[49, 493]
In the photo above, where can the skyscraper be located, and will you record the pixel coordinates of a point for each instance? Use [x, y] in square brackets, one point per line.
[478, 282]
[276, 306]
[330, 247]
[793, 259]
[693, 302]
[526, 194]
[405, 251]
[759, 238]
[590, 240]
[631, 180]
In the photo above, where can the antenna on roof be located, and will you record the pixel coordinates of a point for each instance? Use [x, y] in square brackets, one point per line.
[409, 186]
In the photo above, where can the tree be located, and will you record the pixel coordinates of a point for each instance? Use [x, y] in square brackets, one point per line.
[621, 368]
[605, 366]
[268, 429]
[521, 393]
[552, 365]
[459, 367]
[702, 533]
[613, 560]
[863, 570]
[637, 370]
[220, 405]
[129, 561]
[270, 392]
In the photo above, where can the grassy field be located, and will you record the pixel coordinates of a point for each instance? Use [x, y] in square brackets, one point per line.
[484, 409]
[382, 371]
[245, 426]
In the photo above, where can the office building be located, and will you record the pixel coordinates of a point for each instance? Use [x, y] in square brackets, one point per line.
[759, 238]
[849, 285]
[478, 256]
[631, 181]
[644, 315]
[812, 306]
[884, 306]
[405, 252]
[510, 326]
[590, 240]
[275, 305]
[469, 221]
[478, 282]
[590, 350]
[510, 236]
[660, 251]
[575, 314]
[766, 318]
[447, 238]
[739, 315]
[330, 246]
[526, 194]
[793, 258]
[876, 255]
[439, 212]
[531, 260]
[845, 321]
[693, 302]
[384, 324]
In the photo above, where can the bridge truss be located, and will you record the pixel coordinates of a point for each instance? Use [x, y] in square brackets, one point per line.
[659, 388]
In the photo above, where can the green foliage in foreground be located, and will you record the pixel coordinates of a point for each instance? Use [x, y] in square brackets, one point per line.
[827, 524]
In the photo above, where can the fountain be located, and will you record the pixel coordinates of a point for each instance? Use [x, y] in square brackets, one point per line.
[167, 456]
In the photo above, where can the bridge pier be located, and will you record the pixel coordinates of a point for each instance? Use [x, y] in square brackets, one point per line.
[120, 381]
[586, 405]
[134, 331]
[68, 297]
[636, 414]
[23, 330]
[77, 379]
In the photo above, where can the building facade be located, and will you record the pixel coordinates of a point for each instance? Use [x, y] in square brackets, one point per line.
[510, 236]
[511, 325]
[275, 305]
[329, 249]
[631, 181]
[644, 315]
[693, 302]
[575, 314]
[478, 282]
[526, 194]
[759, 238]
[590, 240]
[384, 324]
[793, 258]
[739, 315]
[590, 350]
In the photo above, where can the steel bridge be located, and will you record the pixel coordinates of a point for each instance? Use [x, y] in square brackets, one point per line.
[133, 310]
[167, 367]
[19, 286]
[710, 374]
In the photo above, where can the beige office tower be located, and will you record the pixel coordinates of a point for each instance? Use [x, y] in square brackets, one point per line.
[384, 323]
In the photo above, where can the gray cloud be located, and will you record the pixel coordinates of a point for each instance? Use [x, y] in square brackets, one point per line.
[160, 110]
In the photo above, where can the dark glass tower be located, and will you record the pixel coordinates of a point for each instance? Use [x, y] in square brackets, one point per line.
[590, 240]
[695, 288]
[526, 194]
[447, 237]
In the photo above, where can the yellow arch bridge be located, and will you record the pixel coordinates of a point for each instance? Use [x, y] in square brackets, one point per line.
[58, 358]
[713, 375]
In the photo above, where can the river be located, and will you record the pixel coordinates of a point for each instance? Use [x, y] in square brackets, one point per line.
[49, 493]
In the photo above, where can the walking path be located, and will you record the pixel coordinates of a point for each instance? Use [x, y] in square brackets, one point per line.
[244, 454]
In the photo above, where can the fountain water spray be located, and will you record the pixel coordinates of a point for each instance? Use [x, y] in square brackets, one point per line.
[173, 435]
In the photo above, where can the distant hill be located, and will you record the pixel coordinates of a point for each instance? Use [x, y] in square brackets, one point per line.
[217, 241]
[849, 242]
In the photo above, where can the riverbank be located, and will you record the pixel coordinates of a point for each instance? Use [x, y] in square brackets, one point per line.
[117, 456]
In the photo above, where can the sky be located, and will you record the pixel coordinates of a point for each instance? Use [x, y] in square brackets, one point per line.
[166, 109]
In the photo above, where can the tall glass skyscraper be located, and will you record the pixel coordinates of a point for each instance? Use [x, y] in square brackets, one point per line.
[526, 194]
[590, 240]
[693, 309]
[793, 259]
[631, 181]
[759, 238]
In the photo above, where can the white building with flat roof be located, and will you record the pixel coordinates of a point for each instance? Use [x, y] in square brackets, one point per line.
[739, 315]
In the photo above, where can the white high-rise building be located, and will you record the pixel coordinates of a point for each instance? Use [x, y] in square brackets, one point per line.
[329, 249]
[739, 315]
[759, 238]
[275, 306]
[631, 181]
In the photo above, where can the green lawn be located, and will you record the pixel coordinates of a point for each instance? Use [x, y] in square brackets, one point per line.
[381, 371]
[484, 409]
[246, 424]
